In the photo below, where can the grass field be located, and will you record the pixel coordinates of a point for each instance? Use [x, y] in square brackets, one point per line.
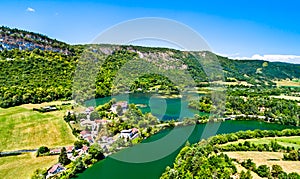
[287, 83]
[22, 128]
[244, 83]
[263, 158]
[293, 141]
[287, 97]
[23, 166]
[239, 168]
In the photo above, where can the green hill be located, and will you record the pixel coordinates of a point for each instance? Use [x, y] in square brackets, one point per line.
[38, 75]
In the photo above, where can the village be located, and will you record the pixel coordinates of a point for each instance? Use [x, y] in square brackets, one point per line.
[91, 136]
[94, 129]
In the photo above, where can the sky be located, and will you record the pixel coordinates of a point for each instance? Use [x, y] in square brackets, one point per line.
[243, 29]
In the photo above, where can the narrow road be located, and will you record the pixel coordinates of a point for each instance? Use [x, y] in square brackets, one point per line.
[17, 151]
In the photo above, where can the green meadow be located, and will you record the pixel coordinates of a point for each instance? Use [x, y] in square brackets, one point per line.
[23, 128]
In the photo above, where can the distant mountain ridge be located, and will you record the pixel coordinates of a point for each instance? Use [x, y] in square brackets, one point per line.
[24, 40]
[38, 74]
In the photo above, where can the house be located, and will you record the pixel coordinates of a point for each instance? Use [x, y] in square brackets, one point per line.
[55, 151]
[105, 139]
[87, 123]
[105, 142]
[84, 149]
[130, 133]
[91, 108]
[101, 121]
[69, 149]
[49, 108]
[55, 169]
[122, 104]
[85, 133]
[89, 138]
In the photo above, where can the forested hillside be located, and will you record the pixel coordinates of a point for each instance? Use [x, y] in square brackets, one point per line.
[34, 75]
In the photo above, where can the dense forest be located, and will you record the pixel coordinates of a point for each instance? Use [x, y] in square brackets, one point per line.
[87, 71]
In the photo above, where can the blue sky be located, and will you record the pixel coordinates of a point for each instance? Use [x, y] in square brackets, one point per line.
[267, 30]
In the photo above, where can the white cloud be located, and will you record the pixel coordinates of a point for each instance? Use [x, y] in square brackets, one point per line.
[272, 58]
[29, 9]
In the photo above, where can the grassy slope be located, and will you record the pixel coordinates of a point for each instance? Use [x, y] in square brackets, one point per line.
[287, 97]
[23, 166]
[287, 83]
[22, 128]
[293, 141]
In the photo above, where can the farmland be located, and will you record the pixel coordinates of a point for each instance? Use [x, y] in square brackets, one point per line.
[267, 158]
[23, 166]
[293, 141]
[23, 128]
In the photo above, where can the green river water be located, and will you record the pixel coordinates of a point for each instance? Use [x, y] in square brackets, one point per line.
[127, 163]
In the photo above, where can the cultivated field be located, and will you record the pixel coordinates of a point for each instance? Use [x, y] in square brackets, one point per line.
[293, 141]
[23, 128]
[287, 83]
[244, 83]
[287, 97]
[263, 158]
[23, 166]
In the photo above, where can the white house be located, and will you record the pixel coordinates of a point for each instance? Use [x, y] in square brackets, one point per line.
[55, 169]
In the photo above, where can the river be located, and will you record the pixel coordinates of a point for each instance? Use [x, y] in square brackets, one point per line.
[162, 108]
[149, 159]
[112, 168]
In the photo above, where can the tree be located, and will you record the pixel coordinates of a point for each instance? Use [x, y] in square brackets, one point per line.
[82, 116]
[42, 150]
[283, 175]
[63, 157]
[245, 175]
[119, 110]
[152, 119]
[247, 143]
[275, 146]
[293, 175]
[96, 152]
[276, 170]
[292, 155]
[39, 174]
[70, 117]
[79, 166]
[94, 115]
[248, 164]
[263, 171]
[171, 123]
[79, 144]
[265, 64]
[143, 124]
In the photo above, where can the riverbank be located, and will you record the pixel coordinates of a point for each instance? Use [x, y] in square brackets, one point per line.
[153, 169]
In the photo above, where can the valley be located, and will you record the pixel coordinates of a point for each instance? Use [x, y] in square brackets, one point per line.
[89, 110]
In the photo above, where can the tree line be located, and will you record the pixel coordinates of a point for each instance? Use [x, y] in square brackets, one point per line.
[282, 111]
